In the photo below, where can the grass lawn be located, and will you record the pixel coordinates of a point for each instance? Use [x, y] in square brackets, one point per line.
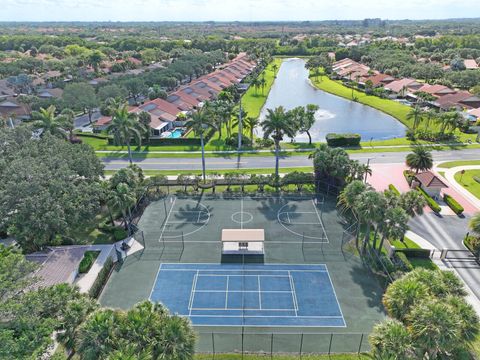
[468, 182]
[451, 164]
[423, 263]
[405, 244]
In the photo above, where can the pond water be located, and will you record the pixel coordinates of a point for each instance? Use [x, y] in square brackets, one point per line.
[292, 88]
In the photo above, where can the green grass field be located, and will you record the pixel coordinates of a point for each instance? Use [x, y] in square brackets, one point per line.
[451, 164]
[468, 182]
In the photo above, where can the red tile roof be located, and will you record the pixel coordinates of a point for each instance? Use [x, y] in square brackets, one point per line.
[438, 90]
[379, 79]
[398, 85]
[429, 179]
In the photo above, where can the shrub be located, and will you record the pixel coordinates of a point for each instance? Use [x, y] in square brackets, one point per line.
[101, 279]
[409, 176]
[403, 261]
[392, 188]
[477, 179]
[264, 143]
[432, 204]
[453, 204]
[232, 140]
[472, 243]
[343, 139]
[119, 233]
[88, 259]
[414, 253]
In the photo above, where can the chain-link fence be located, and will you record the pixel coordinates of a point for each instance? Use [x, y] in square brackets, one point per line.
[287, 343]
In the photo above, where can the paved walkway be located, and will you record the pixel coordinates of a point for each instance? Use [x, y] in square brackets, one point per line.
[450, 176]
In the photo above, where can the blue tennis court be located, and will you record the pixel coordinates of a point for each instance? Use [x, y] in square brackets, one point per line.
[249, 295]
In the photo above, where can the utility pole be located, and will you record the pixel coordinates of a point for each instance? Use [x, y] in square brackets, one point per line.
[240, 126]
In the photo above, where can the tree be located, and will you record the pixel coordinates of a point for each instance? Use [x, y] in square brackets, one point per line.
[415, 114]
[95, 58]
[145, 119]
[304, 119]
[50, 123]
[449, 120]
[14, 269]
[112, 91]
[276, 125]
[420, 159]
[275, 69]
[147, 330]
[348, 197]
[68, 121]
[135, 87]
[123, 198]
[199, 123]
[48, 187]
[391, 340]
[81, 97]
[474, 223]
[251, 123]
[369, 208]
[125, 127]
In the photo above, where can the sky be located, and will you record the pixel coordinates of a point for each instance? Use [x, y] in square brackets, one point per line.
[228, 10]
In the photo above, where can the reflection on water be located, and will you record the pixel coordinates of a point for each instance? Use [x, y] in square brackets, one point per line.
[292, 88]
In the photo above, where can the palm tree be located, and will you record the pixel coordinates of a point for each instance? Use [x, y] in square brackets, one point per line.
[277, 124]
[348, 197]
[199, 122]
[275, 69]
[415, 114]
[256, 84]
[125, 127]
[449, 120]
[262, 84]
[46, 120]
[123, 198]
[370, 210]
[251, 123]
[474, 223]
[390, 339]
[420, 159]
[309, 120]
[393, 225]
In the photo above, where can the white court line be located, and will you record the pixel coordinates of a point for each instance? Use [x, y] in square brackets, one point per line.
[166, 220]
[198, 218]
[215, 275]
[226, 293]
[288, 216]
[320, 220]
[241, 213]
[241, 309]
[251, 270]
[294, 296]
[155, 281]
[245, 291]
[268, 316]
[192, 292]
[336, 298]
[259, 293]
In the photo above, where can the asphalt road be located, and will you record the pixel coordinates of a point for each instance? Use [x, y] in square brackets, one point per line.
[259, 162]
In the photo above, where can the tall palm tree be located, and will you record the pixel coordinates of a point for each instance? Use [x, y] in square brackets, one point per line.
[348, 197]
[415, 114]
[46, 120]
[390, 339]
[262, 84]
[256, 84]
[125, 127]
[123, 198]
[277, 124]
[199, 122]
[420, 159]
[307, 120]
[449, 120]
[393, 225]
[275, 69]
[370, 210]
[251, 123]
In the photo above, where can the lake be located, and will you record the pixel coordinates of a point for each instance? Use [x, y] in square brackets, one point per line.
[292, 88]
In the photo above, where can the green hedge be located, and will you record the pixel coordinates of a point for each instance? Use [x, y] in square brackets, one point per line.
[414, 253]
[472, 243]
[334, 139]
[392, 188]
[87, 261]
[166, 142]
[404, 262]
[453, 204]
[430, 202]
[477, 179]
[92, 135]
[409, 176]
[101, 279]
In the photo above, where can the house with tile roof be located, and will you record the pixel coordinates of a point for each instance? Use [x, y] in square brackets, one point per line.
[470, 64]
[430, 183]
[402, 86]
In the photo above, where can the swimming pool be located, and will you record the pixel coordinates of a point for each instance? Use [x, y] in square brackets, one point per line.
[177, 133]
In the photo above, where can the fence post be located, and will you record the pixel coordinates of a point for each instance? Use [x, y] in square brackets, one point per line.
[213, 345]
[301, 346]
[271, 347]
[330, 345]
[360, 346]
[242, 343]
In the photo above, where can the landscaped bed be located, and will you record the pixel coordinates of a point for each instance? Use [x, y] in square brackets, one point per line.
[468, 182]
[88, 259]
